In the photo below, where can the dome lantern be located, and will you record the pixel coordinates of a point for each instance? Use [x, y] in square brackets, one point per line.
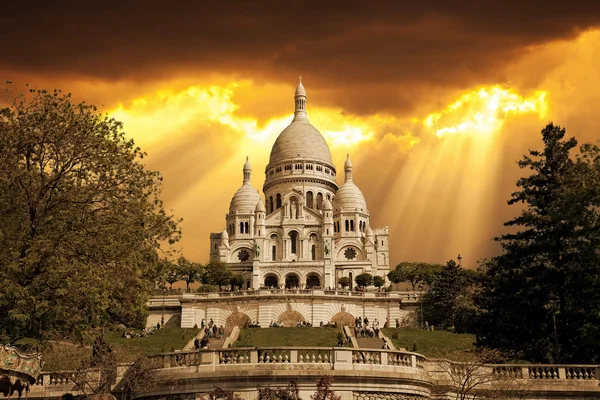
[300, 101]
[348, 169]
[247, 171]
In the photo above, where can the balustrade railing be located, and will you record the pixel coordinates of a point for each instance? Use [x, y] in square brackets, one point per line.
[547, 371]
[328, 358]
[404, 296]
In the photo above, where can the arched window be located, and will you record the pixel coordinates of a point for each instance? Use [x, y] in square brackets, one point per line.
[347, 226]
[313, 252]
[329, 197]
[241, 227]
[270, 204]
[338, 226]
[246, 227]
[274, 253]
[309, 199]
[352, 225]
[351, 280]
[334, 227]
[278, 201]
[319, 201]
[294, 240]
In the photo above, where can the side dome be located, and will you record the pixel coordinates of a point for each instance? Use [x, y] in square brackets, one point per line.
[246, 197]
[349, 198]
[244, 200]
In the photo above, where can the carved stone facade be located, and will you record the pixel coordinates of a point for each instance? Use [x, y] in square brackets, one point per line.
[385, 396]
[307, 231]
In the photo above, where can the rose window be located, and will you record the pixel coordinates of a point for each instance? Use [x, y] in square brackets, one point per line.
[243, 255]
[350, 253]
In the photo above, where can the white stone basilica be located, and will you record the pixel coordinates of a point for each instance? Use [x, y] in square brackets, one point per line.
[311, 232]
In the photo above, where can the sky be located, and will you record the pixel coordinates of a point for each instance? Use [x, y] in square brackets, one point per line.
[435, 101]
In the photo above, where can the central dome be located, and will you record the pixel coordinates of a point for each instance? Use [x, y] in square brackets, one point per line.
[300, 140]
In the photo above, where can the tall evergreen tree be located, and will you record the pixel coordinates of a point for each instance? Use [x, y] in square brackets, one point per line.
[442, 303]
[540, 298]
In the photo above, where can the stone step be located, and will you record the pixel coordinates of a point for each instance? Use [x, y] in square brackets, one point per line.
[370, 343]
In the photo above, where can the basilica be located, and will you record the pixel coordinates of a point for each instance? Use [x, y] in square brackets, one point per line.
[308, 232]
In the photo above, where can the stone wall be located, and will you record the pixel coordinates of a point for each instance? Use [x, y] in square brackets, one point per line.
[289, 306]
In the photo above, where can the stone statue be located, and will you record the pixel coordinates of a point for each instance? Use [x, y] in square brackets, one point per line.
[256, 249]
[327, 248]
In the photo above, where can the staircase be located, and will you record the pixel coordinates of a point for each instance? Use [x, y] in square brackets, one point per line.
[367, 342]
[216, 343]
[370, 343]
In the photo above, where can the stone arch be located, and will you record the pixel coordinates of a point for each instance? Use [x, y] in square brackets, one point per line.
[309, 199]
[351, 277]
[312, 280]
[238, 257]
[294, 237]
[290, 318]
[271, 279]
[292, 279]
[343, 318]
[355, 252]
[294, 207]
[237, 318]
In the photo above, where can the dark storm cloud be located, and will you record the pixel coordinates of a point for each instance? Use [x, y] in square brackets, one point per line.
[379, 53]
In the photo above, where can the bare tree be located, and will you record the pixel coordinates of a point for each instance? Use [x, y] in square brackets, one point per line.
[478, 376]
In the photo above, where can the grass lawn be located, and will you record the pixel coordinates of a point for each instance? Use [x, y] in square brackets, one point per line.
[161, 341]
[432, 343]
[59, 356]
[301, 336]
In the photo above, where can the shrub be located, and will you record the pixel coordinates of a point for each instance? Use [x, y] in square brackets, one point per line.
[208, 289]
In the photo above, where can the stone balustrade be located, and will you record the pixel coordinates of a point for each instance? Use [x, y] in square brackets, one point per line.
[378, 371]
[404, 296]
[327, 357]
[547, 371]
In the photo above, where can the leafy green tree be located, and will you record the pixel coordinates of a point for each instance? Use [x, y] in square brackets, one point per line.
[80, 215]
[216, 273]
[541, 296]
[363, 280]
[237, 280]
[167, 271]
[415, 273]
[441, 304]
[344, 281]
[378, 281]
[188, 271]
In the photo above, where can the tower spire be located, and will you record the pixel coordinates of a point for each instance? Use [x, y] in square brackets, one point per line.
[300, 101]
[348, 168]
[247, 171]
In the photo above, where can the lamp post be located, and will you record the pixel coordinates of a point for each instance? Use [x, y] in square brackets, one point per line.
[162, 317]
[552, 306]
[421, 299]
